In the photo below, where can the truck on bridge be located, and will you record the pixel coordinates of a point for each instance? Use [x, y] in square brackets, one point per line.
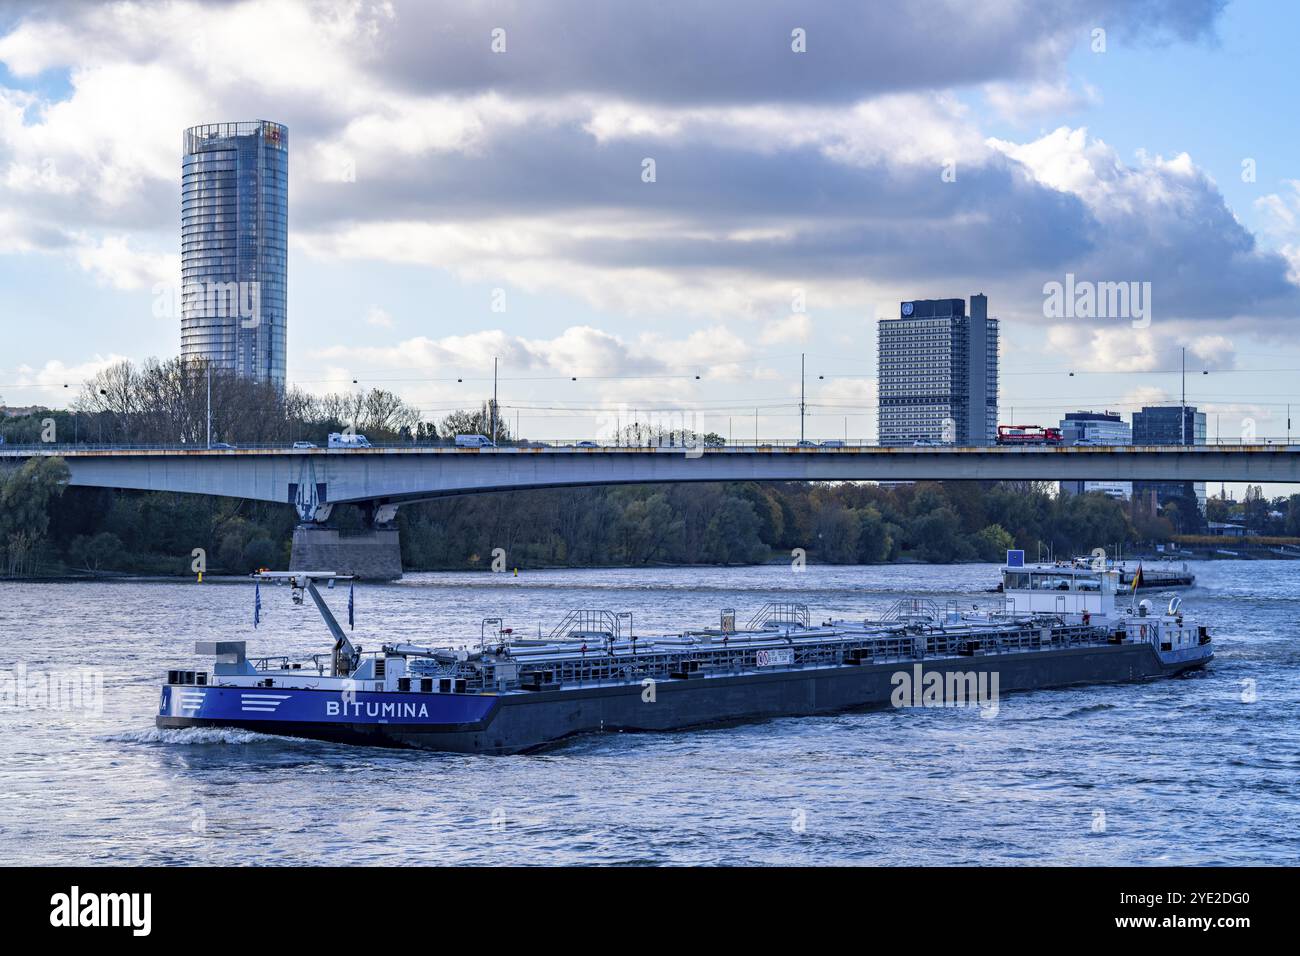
[1028, 435]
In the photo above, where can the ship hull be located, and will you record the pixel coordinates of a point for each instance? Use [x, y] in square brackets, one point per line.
[521, 721]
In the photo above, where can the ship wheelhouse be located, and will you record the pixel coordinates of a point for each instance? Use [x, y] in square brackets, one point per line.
[1060, 589]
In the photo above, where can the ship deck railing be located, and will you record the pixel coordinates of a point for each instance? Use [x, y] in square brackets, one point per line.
[274, 663]
[599, 666]
[912, 607]
[778, 614]
[590, 621]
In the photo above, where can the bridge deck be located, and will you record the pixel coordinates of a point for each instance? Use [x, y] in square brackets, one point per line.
[390, 475]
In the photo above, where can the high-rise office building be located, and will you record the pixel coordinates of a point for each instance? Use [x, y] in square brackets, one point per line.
[938, 373]
[234, 247]
[1169, 425]
[1097, 428]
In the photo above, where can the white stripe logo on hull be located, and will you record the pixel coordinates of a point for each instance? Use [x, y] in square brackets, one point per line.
[261, 703]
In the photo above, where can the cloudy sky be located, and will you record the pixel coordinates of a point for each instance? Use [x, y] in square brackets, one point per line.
[450, 202]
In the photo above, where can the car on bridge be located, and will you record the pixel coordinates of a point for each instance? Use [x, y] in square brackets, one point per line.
[474, 441]
[344, 440]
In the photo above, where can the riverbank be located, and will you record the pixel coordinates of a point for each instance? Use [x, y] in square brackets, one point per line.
[1129, 558]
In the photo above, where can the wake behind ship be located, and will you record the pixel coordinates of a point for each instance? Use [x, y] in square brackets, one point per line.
[1054, 626]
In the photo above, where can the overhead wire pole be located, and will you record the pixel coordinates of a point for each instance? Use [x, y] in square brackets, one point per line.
[801, 395]
[1182, 410]
[494, 399]
[1218, 440]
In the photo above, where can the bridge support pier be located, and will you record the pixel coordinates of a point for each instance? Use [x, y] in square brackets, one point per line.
[373, 554]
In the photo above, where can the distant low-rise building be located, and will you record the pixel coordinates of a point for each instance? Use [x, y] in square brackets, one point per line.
[1097, 428]
[1227, 529]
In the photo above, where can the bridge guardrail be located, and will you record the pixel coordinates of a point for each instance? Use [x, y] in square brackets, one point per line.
[587, 446]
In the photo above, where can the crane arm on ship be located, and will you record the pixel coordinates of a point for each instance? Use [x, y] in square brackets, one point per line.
[344, 658]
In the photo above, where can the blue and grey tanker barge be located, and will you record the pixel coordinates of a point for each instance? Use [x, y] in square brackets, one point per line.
[1053, 626]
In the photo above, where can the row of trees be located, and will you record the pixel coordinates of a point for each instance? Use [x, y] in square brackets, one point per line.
[27, 496]
[167, 402]
[841, 523]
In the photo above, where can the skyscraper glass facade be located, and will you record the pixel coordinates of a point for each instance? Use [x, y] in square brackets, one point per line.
[1169, 425]
[234, 247]
[938, 373]
[1161, 425]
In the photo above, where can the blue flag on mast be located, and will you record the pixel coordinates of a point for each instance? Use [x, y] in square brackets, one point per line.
[257, 604]
[351, 607]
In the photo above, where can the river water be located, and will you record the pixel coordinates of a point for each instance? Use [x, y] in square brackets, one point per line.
[1197, 770]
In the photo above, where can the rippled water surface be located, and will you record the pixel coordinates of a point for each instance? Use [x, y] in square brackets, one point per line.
[1176, 771]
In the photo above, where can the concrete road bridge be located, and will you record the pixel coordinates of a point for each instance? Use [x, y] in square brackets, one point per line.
[381, 479]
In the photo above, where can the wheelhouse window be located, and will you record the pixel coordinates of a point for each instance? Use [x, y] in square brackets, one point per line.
[1050, 582]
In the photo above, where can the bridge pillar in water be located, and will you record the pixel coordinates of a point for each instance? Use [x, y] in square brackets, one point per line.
[373, 554]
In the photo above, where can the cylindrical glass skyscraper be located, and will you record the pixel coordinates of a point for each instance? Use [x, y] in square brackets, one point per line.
[234, 247]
